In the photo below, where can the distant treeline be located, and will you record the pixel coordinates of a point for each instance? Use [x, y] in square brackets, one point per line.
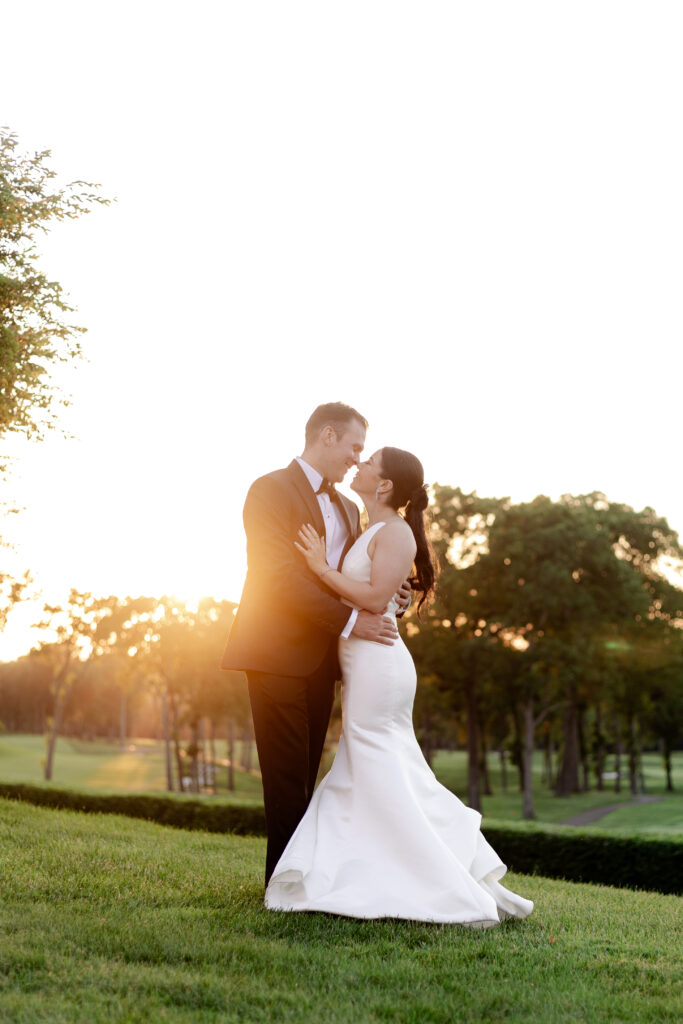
[143, 667]
[556, 625]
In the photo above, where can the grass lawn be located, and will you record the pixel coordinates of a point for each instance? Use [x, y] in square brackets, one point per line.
[106, 919]
[106, 767]
[664, 817]
[450, 767]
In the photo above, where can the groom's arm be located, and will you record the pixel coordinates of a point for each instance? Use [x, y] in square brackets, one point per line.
[277, 568]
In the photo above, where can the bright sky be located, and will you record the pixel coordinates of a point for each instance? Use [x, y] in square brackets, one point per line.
[463, 219]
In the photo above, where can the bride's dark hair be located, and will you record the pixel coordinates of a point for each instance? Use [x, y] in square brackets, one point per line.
[407, 476]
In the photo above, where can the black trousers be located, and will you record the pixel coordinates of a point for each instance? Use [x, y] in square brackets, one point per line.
[291, 715]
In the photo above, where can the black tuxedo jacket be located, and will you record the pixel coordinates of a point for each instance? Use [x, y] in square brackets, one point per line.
[287, 617]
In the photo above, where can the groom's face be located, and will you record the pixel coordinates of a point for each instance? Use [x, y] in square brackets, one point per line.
[344, 451]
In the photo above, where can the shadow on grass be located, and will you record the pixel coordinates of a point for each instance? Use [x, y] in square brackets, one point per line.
[318, 929]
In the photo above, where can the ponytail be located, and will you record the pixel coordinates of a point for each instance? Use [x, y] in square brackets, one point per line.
[407, 476]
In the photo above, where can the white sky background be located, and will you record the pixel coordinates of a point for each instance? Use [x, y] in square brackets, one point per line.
[463, 219]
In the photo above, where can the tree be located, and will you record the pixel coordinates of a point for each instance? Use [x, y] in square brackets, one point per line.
[557, 582]
[133, 623]
[84, 629]
[464, 643]
[666, 715]
[564, 575]
[34, 331]
[221, 695]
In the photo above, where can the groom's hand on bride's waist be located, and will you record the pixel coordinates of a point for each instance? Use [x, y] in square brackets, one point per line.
[403, 597]
[379, 628]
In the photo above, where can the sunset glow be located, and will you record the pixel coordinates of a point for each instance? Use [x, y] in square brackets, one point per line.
[439, 220]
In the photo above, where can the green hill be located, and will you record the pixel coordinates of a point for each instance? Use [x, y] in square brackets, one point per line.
[110, 919]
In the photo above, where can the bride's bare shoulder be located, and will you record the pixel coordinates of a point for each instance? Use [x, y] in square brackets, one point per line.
[395, 534]
[398, 527]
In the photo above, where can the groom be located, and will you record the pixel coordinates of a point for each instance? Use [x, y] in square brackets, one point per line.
[288, 623]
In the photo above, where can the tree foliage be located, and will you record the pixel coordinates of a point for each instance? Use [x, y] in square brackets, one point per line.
[35, 332]
[558, 615]
[11, 592]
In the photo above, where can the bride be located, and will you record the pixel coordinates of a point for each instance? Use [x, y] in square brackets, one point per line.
[381, 837]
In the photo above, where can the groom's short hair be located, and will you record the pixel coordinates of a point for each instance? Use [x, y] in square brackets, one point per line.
[333, 414]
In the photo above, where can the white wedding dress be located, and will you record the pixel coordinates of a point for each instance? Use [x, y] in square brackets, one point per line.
[381, 837]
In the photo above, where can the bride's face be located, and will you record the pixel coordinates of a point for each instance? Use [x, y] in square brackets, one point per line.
[369, 475]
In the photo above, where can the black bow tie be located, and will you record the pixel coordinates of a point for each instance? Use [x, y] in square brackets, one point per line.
[327, 488]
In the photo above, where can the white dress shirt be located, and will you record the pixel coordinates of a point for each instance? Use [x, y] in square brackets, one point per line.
[336, 531]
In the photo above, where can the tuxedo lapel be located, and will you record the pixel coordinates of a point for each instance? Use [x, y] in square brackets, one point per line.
[341, 505]
[305, 491]
[353, 528]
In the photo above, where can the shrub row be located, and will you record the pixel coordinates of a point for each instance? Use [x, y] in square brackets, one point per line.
[576, 855]
[587, 855]
[240, 819]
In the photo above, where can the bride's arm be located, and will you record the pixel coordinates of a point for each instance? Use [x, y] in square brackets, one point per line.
[391, 562]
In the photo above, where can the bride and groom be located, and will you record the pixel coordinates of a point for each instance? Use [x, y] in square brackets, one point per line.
[379, 837]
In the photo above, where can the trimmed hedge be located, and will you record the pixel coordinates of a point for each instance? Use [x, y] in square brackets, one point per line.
[555, 851]
[239, 819]
[588, 855]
